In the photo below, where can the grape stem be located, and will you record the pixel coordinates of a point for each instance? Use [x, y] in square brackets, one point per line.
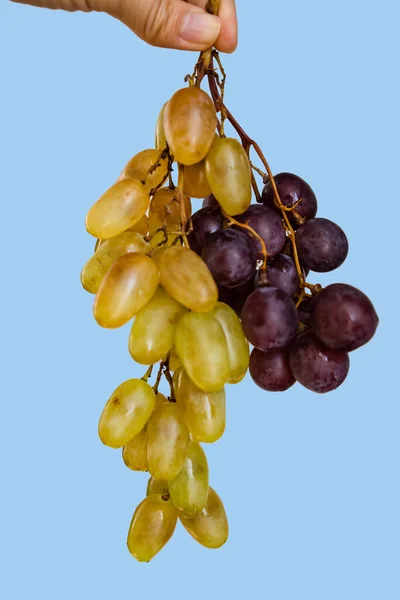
[148, 374]
[232, 221]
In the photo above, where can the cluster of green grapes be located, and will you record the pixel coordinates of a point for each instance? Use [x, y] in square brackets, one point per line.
[143, 268]
[199, 289]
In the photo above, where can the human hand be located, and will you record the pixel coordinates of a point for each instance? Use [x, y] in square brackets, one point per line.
[180, 24]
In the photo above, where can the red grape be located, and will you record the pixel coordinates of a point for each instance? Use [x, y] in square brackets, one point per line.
[291, 188]
[343, 317]
[316, 367]
[230, 256]
[268, 224]
[322, 245]
[269, 318]
[204, 222]
[271, 370]
[281, 273]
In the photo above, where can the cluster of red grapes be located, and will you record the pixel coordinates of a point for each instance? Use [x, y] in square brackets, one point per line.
[296, 337]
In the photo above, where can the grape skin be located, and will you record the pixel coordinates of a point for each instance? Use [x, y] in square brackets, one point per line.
[204, 221]
[343, 317]
[271, 370]
[322, 245]
[268, 225]
[317, 367]
[291, 188]
[230, 256]
[269, 318]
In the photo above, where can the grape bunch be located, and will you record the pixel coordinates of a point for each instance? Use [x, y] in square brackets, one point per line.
[201, 289]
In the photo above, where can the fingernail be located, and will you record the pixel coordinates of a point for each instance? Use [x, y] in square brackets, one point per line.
[200, 28]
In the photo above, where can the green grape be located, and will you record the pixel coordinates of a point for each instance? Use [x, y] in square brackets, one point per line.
[120, 208]
[174, 361]
[160, 141]
[189, 489]
[168, 441]
[153, 330]
[128, 285]
[152, 526]
[165, 210]
[204, 412]
[126, 413]
[140, 164]
[157, 486]
[189, 123]
[141, 226]
[134, 453]
[187, 278]
[201, 345]
[177, 385]
[195, 183]
[238, 346]
[160, 399]
[228, 174]
[210, 526]
[97, 266]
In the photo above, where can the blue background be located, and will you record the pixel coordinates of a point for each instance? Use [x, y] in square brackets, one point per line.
[310, 483]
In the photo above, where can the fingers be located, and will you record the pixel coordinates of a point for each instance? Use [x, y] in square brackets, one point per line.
[228, 37]
[168, 23]
[180, 24]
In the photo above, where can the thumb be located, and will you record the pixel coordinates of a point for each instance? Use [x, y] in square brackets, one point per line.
[167, 23]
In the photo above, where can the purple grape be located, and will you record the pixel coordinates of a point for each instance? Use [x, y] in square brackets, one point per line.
[270, 370]
[231, 257]
[210, 202]
[236, 297]
[304, 311]
[282, 274]
[204, 222]
[322, 245]
[268, 224]
[291, 188]
[343, 317]
[269, 318]
[316, 367]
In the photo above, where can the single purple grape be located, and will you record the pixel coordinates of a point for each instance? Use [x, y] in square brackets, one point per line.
[204, 222]
[322, 245]
[282, 274]
[271, 370]
[316, 367]
[268, 225]
[343, 317]
[231, 257]
[291, 188]
[210, 202]
[269, 318]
